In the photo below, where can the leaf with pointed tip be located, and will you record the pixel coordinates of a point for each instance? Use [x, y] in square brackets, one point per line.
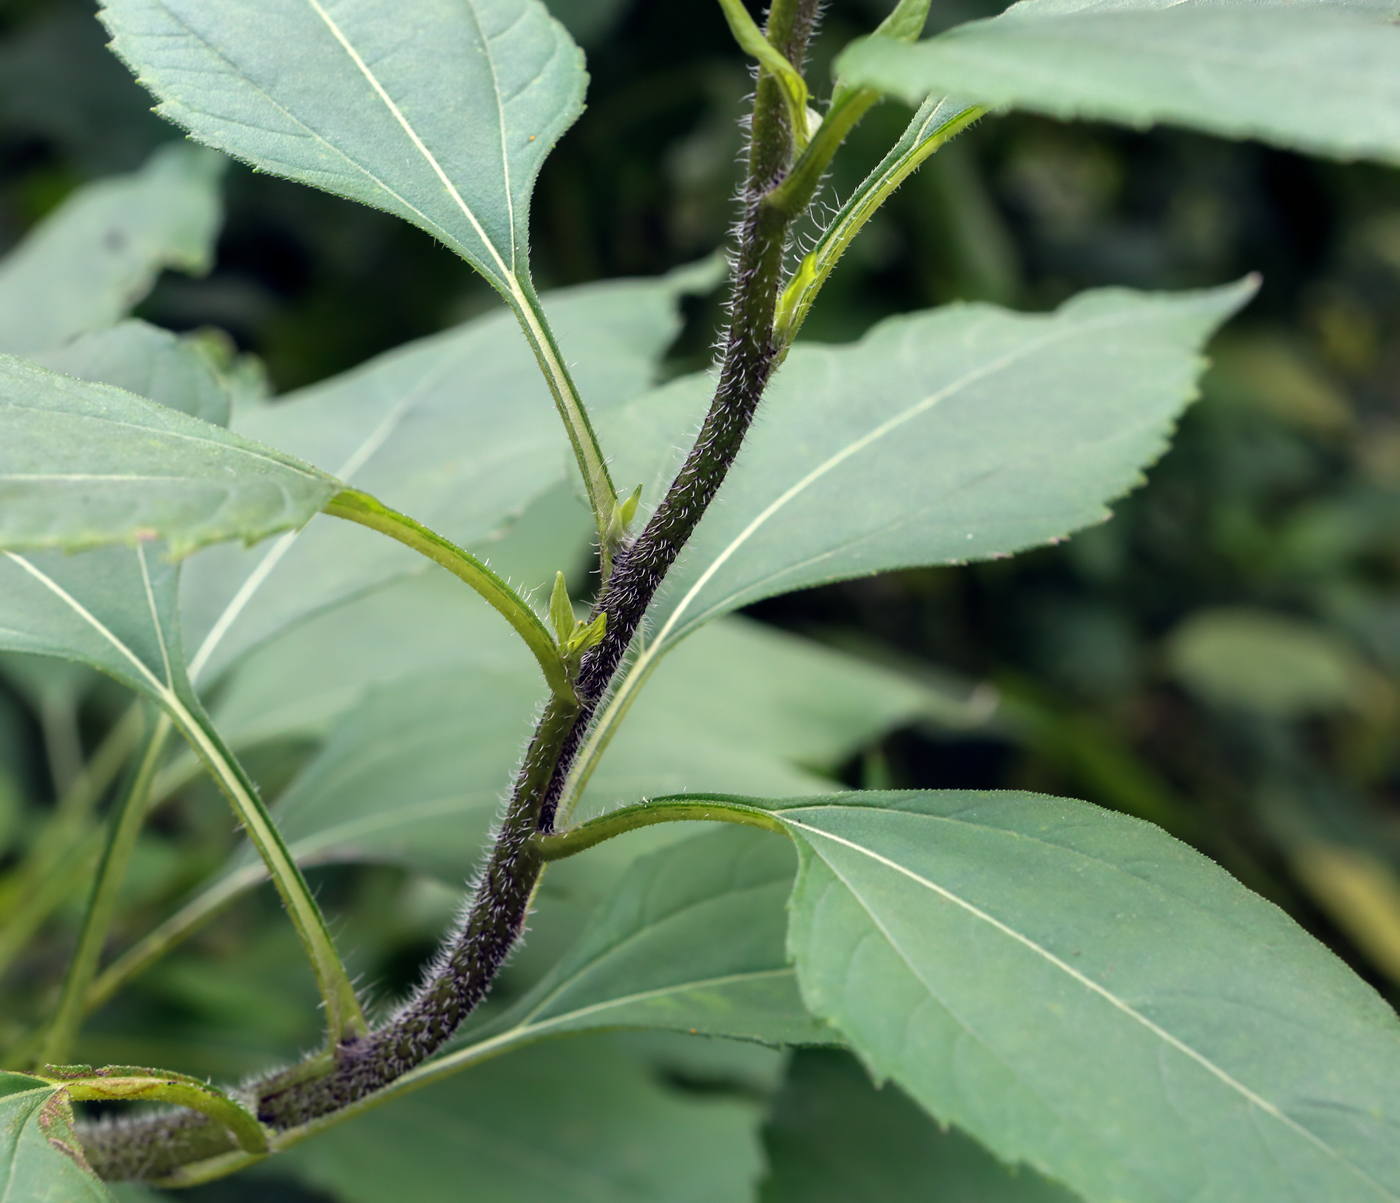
[691, 940]
[575, 1122]
[86, 465]
[963, 433]
[457, 430]
[41, 1160]
[1083, 993]
[99, 253]
[1323, 78]
[439, 111]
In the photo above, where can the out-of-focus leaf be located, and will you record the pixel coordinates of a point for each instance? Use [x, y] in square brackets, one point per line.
[439, 111]
[90, 261]
[570, 1122]
[1267, 663]
[960, 434]
[589, 21]
[179, 372]
[691, 940]
[457, 430]
[86, 465]
[744, 695]
[1316, 77]
[832, 1137]
[1270, 374]
[1083, 993]
[41, 1160]
[1360, 892]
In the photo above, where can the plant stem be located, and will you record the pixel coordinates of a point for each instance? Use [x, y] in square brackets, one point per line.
[127, 819]
[355, 506]
[472, 957]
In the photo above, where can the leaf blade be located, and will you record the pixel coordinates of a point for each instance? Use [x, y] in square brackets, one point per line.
[1314, 77]
[1099, 960]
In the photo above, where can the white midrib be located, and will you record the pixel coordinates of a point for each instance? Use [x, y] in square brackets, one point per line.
[1082, 979]
[507, 272]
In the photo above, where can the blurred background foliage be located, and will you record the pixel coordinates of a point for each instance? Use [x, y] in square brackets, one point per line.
[1222, 657]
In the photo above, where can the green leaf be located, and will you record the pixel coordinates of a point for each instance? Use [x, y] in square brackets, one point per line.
[571, 1122]
[1085, 994]
[182, 373]
[86, 465]
[746, 702]
[439, 111]
[691, 940]
[99, 253]
[963, 433]
[1267, 663]
[1320, 78]
[41, 1160]
[833, 1137]
[456, 430]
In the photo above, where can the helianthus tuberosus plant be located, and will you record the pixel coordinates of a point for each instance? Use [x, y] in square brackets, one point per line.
[1074, 989]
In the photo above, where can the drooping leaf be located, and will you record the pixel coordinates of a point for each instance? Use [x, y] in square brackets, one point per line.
[99, 253]
[457, 430]
[571, 1122]
[41, 1160]
[1323, 77]
[1085, 994]
[960, 434]
[439, 111]
[833, 1137]
[691, 940]
[86, 465]
[179, 372]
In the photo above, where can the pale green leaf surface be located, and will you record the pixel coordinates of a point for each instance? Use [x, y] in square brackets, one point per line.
[1083, 993]
[457, 430]
[1319, 78]
[570, 1122]
[178, 372]
[39, 1153]
[84, 464]
[99, 253]
[833, 1137]
[746, 694]
[439, 111]
[692, 939]
[113, 609]
[959, 434]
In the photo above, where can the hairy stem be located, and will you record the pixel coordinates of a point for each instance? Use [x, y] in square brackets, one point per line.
[473, 956]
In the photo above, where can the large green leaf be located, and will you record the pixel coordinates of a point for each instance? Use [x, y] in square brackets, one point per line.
[415, 770]
[457, 430]
[99, 253]
[86, 465]
[1322, 78]
[832, 1137]
[963, 433]
[440, 111]
[41, 1160]
[184, 373]
[571, 1122]
[691, 940]
[1083, 993]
